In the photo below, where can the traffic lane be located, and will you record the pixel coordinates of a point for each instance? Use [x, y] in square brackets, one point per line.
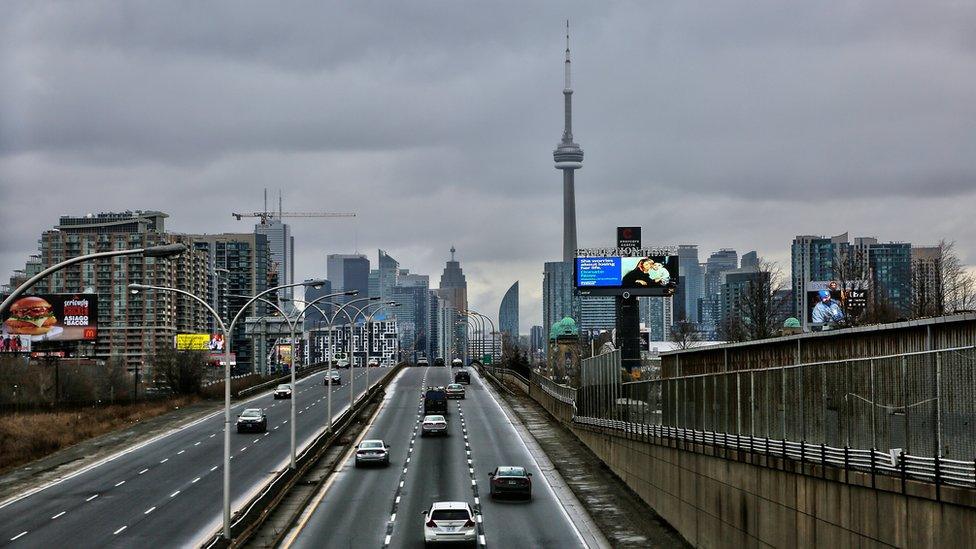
[438, 471]
[358, 503]
[540, 522]
[255, 459]
[165, 469]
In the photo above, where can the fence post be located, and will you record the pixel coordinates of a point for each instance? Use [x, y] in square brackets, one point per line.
[938, 410]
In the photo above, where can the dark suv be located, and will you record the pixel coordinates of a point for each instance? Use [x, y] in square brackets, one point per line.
[252, 419]
[462, 377]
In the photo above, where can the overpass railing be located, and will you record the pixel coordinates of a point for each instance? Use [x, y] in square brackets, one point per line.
[911, 414]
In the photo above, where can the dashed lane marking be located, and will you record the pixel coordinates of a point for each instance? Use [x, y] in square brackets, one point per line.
[58, 515]
[92, 497]
[174, 494]
[120, 483]
[150, 510]
[143, 471]
[18, 536]
[119, 531]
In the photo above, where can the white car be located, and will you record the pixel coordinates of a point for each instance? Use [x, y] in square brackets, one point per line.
[433, 425]
[455, 390]
[372, 451]
[282, 391]
[449, 522]
[457, 363]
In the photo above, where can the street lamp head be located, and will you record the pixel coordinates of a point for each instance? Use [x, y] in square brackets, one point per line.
[316, 283]
[375, 298]
[392, 303]
[165, 250]
[135, 288]
[352, 292]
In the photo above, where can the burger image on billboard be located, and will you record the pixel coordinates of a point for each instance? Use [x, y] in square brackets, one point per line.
[30, 316]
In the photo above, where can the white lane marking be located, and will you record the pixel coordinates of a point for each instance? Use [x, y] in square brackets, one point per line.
[393, 517]
[174, 494]
[255, 440]
[477, 501]
[214, 468]
[24, 533]
[180, 452]
[480, 519]
[143, 471]
[119, 531]
[196, 443]
[91, 498]
[481, 539]
[473, 482]
[387, 540]
[244, 448]
[398, 500]
[164, 460]
[194, 481]
[150, 510]
[276, 427]
[120, 483]
[58, 515]
[401, 484]
[213, 435]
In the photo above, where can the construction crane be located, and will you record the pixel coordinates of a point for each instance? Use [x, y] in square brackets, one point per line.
[265, 216]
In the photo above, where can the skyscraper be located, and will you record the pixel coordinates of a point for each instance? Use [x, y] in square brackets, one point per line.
[557, 293]
[569, 158]
[690, 286]
[412, 292]
[508, 314]
[282, 246]
[453, 293]
[348, 272]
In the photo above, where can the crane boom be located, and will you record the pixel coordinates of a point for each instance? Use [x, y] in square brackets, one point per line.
[265, 216]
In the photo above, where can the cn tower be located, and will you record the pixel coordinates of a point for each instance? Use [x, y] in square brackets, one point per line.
[569, 158]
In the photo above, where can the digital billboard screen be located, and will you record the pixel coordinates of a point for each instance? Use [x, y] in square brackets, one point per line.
[53, 317]
[655, 275]
[15, 343]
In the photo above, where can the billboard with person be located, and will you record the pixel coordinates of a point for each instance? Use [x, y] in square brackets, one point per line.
[831, 304]
[641, 275]
[199, 342]
[15, 343]
[53, 317]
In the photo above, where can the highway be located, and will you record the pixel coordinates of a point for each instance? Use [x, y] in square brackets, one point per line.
[168, 492]
[381, 507]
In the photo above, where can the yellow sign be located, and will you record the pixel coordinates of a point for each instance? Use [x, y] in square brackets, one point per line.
[192, 342]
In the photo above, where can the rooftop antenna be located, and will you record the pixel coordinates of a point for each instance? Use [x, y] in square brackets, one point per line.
[452, 252]
[280, 210]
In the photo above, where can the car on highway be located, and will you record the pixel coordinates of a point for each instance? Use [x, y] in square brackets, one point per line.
[449, 522]
[454, 390]
[373, 363]
[252, 419]
[372, 451]
[433, 425]
[435, 401]
[333, 379]
[457, 363]
[462, 377]
[510, 480]
[439, 361]
[282, 391]
[342, 363]
[422, 361]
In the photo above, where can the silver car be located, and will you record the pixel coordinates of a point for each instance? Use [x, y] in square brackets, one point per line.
[372, 451]
[433, 425]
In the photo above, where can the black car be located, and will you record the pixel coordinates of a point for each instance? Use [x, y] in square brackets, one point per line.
[435, 401]
[462, 377]
[334, 379]
[510, 481]
[252, 419]
[439, 361]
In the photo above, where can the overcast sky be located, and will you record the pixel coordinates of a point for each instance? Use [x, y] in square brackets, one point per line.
[718, 124]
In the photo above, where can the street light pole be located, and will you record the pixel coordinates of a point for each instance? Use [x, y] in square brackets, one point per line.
[228, 330]
[293, 325]
[359, 311]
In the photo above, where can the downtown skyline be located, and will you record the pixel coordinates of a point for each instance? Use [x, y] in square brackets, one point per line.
[443, 125]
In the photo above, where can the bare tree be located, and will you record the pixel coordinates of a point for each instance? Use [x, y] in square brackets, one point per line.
[685, 335]
[763, 301]
[852, 271]
[181, 371]
[957, 285]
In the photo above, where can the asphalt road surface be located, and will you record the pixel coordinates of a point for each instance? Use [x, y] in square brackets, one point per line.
[168, 492]
[381, 507]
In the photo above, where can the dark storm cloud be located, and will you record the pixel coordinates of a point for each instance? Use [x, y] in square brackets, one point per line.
[719, 124]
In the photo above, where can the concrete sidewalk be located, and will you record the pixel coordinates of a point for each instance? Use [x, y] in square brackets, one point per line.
[621, 515]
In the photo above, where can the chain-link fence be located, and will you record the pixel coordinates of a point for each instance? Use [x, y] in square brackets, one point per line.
[913, 412]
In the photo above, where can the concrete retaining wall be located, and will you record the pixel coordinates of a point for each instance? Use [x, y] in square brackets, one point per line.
[717, 502]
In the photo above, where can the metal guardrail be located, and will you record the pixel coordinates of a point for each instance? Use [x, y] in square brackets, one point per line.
[936, 470]
[562, 393]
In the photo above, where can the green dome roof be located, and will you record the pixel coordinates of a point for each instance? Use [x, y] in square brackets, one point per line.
[563, 328]
[791, 323]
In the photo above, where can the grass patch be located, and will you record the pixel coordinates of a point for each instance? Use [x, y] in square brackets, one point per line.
[25, 437]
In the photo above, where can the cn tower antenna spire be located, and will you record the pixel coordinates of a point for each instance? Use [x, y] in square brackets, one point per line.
[568, 157]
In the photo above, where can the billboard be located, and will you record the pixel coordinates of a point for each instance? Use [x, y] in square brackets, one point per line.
[199, 342]
[53, 317]
[642, 275]
[830, 304]
[15, 343]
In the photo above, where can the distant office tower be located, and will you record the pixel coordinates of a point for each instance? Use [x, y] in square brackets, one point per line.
[508, 314]
[348, 272]
[432, 341]
[243, 263]
[383, 279]
[657, 315]
[750, 259]
[891, 270]
[557, 293]
[723, 260]
[282, 246]
[314, 317]
[412, 292]
[537, 343]
[690, 283]
[927, 290]
[454, 292]
[449, 346]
